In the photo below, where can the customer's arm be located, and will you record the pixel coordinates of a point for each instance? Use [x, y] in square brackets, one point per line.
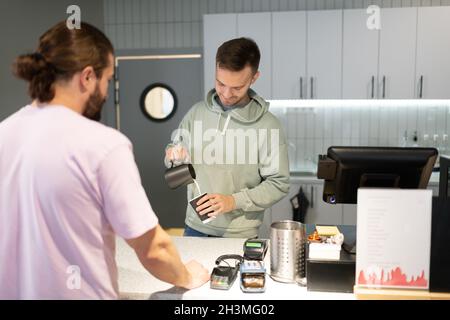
[127, 209]
[159, 256]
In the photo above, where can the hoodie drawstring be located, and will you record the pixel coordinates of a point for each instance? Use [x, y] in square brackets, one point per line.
[225, 127]
[218, 122]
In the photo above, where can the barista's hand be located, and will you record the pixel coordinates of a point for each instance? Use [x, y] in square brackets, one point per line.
[220, 203]
[176, 155]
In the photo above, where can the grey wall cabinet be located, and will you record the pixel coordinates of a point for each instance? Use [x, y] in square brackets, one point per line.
[433, 52]
[324, 54]
[360, 56]
[406, 58]
[258, 27]
[217, 28]
[379, 63]
[397, 53]
[307, 54]
[333, 54]
[289, 55]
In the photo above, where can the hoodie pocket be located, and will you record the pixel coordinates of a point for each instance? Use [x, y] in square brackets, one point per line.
[214, 179]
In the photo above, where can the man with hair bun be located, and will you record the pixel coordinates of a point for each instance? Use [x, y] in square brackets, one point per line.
[69, 184]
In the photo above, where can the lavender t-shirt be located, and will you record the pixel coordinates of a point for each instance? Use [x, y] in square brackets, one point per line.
[68, 185]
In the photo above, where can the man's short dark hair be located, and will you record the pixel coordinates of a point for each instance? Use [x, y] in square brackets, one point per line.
[236, 54]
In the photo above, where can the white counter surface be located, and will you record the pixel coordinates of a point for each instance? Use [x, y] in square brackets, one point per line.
[136, 283]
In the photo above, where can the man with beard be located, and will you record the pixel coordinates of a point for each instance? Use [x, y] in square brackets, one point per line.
[69, 184]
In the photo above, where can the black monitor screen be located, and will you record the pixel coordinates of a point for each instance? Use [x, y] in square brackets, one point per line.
[345, 169]
[444, 179]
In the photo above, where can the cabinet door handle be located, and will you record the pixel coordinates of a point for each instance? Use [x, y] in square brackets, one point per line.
[384, 87]
[421, 87]
[373, 87]
[312, 197]
[301, 87]
[312, 87]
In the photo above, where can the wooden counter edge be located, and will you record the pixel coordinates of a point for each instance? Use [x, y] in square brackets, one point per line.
[397, 294]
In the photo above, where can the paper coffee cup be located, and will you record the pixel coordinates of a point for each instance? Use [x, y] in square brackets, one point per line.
[204, 218]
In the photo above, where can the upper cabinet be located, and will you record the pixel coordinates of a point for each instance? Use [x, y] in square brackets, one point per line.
[360, 56]
[396, 70]
[379, 63]
[324, 54]
[307, 54]
[257, 26]
[217, 28]
[289, 55]
[433, 53]
[333, 54]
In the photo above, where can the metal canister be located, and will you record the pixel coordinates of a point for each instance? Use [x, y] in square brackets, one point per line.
[288, 252]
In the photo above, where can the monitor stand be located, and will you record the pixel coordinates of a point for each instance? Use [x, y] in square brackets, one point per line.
[349, 247]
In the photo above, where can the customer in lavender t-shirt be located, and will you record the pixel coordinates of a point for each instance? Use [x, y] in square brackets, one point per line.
[69, 184]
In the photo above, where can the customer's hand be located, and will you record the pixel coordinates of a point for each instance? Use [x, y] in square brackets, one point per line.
[199, 274]
[218, 203]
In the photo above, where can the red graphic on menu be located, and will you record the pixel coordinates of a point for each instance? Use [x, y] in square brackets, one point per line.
[393, 278]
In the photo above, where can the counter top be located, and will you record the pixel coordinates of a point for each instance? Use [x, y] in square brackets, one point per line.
[136, 283]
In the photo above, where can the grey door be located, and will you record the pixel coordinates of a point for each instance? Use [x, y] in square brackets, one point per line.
[150, 138]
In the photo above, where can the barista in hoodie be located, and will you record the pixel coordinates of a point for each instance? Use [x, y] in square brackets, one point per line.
[236, 146]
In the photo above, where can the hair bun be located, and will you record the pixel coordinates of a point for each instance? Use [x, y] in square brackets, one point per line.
[37, 56]
[28, 66]
[40, 74]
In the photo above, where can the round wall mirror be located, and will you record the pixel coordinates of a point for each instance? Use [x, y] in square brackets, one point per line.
[158, 102]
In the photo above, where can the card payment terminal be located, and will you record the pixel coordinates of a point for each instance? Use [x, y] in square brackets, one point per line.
[223, 276]
[255, 249]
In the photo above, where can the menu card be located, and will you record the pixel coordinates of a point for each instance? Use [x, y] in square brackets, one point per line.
[393, 238]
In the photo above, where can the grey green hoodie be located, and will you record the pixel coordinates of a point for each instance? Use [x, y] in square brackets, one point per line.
[227, 161]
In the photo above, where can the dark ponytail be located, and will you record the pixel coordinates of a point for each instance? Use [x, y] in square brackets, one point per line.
[61, 53]
[39, 73]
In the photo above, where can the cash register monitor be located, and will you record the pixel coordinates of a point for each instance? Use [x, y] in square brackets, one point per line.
[444, 177]
[440, 236]
[345, 169]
